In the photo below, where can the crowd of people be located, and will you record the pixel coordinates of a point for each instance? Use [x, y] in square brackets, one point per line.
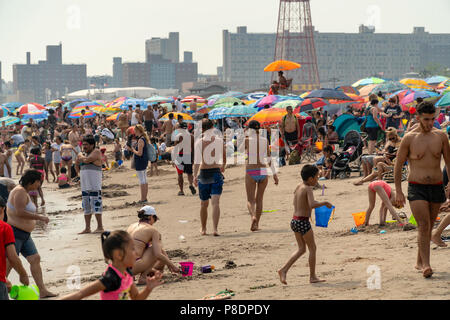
[72, 153]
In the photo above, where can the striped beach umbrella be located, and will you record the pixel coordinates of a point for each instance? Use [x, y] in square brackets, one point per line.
[9, 120]
[77, 114]
[310, 104]
[416, 83]
[30, 107]
[367, 81]
[114, 117]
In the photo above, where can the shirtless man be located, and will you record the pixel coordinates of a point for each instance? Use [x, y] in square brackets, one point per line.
[423, 148]
[148, 246]
[22, 216]
[168, 128]
[289, 127]
[149, 117]
[90, 167]
[211, 167]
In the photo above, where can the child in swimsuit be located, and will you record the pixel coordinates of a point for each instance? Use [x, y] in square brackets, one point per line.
[117, 150]
[117, 282]
[386, 195]
[303, 204]
[48, 151]
[37, 163]
[63, 179]
[105, 164]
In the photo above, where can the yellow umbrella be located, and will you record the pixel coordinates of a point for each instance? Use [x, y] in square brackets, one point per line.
[175, 115]
[268, 117]
[281, 65]
[303, 95]
[416, 84]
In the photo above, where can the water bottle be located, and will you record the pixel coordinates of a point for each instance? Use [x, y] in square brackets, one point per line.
[207, 269]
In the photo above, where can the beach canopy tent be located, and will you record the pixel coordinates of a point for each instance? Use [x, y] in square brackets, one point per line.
[345, 123]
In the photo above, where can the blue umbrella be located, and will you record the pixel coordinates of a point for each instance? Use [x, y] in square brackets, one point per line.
[133, 102]
[346, 123]
[9, 120]
[218, 113]
[256, 95]
[36, 116]
[5, 110]
[435, 79]
[240, 111]
[12, 105]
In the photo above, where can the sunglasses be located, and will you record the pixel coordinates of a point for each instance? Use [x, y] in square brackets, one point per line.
[392, 139]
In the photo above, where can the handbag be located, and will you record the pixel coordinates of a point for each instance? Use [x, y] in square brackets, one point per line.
[363, 126]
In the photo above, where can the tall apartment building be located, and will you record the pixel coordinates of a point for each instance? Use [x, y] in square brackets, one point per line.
[342, 57]
[136, 74]
[168, 48]
[49, 79]
[117, 80]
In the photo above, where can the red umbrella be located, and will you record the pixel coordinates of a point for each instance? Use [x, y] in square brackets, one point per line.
[191, 98]
[310, 104]
[31, 107]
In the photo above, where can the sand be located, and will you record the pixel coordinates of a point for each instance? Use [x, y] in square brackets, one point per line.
[343, 258]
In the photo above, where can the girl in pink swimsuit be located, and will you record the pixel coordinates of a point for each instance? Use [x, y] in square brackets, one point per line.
[117, 282]
[386, 195]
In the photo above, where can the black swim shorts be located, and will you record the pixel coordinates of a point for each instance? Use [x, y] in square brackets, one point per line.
[434, 193]
[301, 226]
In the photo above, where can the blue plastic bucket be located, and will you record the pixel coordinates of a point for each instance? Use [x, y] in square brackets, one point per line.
[323, 215]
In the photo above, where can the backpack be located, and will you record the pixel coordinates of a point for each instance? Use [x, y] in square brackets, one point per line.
[294, 158]
[151, 152]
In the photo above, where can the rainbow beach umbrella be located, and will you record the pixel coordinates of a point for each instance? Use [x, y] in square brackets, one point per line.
[77, 114]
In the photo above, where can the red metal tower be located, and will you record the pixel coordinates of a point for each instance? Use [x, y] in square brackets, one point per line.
[295, 42]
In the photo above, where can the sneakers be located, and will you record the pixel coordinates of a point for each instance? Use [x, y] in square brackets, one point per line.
[192, 189]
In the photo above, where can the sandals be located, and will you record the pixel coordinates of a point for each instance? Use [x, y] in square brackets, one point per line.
[181, 193]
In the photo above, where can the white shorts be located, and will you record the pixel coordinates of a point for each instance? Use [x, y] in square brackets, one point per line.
[142, 176]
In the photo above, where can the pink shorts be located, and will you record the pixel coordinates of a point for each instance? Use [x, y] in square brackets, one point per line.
[383, 184]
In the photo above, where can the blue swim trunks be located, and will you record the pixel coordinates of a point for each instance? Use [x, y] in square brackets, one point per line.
[210, 182]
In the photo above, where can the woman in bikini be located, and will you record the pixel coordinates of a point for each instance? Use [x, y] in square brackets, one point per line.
[123, 124]
[66, 156]
[256, 177]
[37, 163]
[148, 246]
[20, 155]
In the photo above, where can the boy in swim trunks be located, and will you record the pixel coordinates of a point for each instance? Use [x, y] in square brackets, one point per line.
[303, 204]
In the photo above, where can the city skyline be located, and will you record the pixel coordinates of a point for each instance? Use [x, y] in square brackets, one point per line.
[95, 32]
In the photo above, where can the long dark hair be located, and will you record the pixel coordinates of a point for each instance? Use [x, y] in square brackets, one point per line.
[112, 241]
[29, 177]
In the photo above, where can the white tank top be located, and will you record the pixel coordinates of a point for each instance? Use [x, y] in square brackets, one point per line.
[134, 119]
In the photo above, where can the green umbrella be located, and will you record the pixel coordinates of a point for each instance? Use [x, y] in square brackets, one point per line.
[286, 103]
[226, 102]
[240, 111]
[444, 101]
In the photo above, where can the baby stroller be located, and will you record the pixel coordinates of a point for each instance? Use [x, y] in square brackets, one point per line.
[349, 159]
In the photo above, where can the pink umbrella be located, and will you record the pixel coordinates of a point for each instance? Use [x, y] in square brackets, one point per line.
[30, 108]
[268, 100]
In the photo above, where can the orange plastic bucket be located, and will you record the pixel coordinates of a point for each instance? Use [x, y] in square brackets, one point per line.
[359, 217]
[319, 145]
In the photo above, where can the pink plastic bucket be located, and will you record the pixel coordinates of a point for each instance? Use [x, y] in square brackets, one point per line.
[187, 268]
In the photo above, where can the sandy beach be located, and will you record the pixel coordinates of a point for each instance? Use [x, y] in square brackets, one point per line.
[342, 257]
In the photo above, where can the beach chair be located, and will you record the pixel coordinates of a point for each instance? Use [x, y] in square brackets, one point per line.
[388, 176]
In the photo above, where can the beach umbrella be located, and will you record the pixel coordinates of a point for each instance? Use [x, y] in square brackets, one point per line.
[160, 99]
[435, 79]
[267, 100]
[281, 65]
[218, 113]
[77, 114]
[411, 97]
[249, 102]
[345, 123]
[189, 99]
[9, 120]
[30, 107]
[5, 110]
[348, 90]
[310, 104]
[443, 84]
[114, 117]
[268, 117]
[240, 111]
[367, 81]
[38, 115]
[215, 97]
[186, 117]
[385, 87]
[117, 103]
[256, 95]
[12, 105]
[329, 94]
[288, 103]
[444, 101]
[416, 84]
[134, 102]
[54, 103]
[70, 104]
[87, 105]
[226, 102]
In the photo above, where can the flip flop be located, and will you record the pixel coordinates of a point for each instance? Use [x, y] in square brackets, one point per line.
[268, 211]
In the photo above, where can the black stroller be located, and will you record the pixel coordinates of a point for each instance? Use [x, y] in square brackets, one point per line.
[349, 159]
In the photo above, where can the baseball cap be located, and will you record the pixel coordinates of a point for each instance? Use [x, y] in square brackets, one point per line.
[149, 211]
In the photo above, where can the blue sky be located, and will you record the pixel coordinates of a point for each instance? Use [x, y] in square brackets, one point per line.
[94, 31]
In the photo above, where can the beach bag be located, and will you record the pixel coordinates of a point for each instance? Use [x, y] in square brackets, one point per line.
[294, 158]
[151, 153]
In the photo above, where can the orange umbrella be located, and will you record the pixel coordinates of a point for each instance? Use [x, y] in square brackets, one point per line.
[268, 117]
[281, 65]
